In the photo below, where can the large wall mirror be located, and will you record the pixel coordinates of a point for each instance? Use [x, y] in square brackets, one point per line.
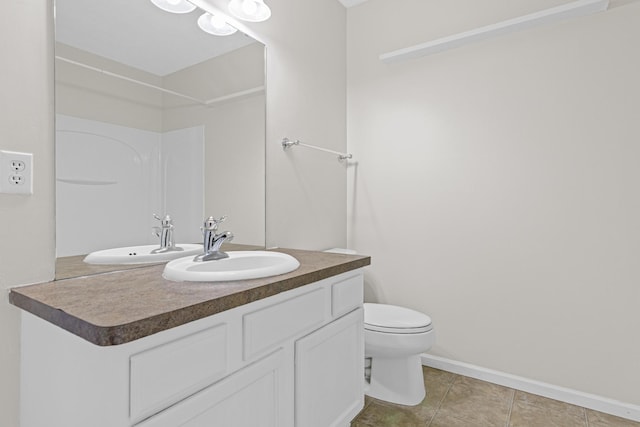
[154, 116]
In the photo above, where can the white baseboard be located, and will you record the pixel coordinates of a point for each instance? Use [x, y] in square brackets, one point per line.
[574, 397]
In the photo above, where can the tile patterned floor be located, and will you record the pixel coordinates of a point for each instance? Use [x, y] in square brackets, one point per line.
[457, 401]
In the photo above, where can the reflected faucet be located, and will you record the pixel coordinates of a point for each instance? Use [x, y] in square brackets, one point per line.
[165, 233]
[213, 241]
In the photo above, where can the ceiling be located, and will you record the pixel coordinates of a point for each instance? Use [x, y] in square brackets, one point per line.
[137, 33]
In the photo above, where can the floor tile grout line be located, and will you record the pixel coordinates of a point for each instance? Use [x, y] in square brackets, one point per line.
[512, 400]
[586, 417]
[442, 400]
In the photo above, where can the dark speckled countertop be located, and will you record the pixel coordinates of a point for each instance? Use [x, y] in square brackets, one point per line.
[120, 306]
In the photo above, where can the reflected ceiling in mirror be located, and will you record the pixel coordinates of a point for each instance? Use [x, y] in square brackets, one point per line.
[128, 147]
[137, 33]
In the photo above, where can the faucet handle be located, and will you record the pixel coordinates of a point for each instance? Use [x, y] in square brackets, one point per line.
[212, 224]
[164, 222]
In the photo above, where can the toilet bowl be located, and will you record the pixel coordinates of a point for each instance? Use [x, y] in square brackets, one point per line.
[394, 338]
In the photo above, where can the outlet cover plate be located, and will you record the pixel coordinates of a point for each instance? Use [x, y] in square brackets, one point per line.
[16, 172]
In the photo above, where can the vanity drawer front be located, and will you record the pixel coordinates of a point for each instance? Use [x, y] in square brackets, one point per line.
[266, 328]
[168, 373]
[346, 295]
[251, 397]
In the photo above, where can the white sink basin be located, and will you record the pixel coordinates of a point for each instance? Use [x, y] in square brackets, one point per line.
[241, 265]
[140, 254]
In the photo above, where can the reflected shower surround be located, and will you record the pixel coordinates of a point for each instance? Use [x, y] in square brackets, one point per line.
[246, 10]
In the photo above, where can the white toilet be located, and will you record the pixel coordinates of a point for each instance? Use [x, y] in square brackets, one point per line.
[394, 338]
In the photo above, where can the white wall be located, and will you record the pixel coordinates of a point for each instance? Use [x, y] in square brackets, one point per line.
[234, 158]
[90, 95]
[26, 124]
[182, 182]
[234, 164]
[497, 185]
[306, 100]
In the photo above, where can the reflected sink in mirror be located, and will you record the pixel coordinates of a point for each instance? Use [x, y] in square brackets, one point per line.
[241, 265]
[124, 141]
[146, 254]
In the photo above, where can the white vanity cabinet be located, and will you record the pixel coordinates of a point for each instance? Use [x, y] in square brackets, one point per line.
[329, 373]
[294, 359]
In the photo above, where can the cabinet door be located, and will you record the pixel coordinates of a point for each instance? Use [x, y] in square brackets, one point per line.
[251, 397]
[329, 373]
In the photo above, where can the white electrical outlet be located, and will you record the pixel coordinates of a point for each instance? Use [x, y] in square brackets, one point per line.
[16, 172]
[17, 165]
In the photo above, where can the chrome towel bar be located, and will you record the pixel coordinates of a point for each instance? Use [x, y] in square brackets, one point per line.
[286, 143]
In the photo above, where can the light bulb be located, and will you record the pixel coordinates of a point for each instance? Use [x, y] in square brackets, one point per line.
[249, 7]
[250, 10]
[217, 22]
[174, 6]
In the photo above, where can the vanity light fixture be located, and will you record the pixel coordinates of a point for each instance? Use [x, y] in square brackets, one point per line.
[174, 6]
[250, 10]
[209, 23]
[215, 24]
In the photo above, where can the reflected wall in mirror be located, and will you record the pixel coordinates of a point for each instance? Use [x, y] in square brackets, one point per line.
[126, 149]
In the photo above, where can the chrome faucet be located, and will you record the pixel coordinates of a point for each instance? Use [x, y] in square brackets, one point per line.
[213, 241]
[165, 233]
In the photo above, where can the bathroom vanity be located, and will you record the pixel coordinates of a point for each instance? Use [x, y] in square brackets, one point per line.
[129, 348]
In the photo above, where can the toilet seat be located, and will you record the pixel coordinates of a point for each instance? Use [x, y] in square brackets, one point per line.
[387, 318]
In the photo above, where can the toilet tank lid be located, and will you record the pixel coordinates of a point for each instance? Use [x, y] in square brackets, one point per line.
[393, 316]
